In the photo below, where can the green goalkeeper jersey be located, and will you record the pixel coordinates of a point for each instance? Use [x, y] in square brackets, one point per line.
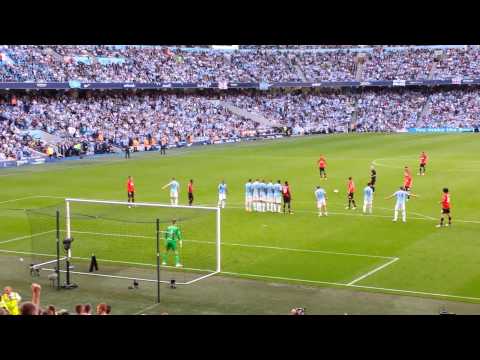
[173, 234]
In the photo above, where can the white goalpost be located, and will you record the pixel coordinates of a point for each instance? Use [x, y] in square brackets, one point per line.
[126, 239]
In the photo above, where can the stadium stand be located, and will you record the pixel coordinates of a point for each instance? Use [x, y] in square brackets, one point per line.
[88, 122]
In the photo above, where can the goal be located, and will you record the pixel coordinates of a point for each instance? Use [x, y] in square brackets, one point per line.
[127, 241]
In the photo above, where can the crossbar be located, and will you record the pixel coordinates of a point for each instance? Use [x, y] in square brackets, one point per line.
[113, 202]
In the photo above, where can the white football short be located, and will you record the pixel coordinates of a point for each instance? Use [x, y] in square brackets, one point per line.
[400, 206]
[222, 197]
[321, 203]
[173, 194]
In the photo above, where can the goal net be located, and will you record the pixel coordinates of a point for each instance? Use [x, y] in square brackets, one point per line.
[127, 241]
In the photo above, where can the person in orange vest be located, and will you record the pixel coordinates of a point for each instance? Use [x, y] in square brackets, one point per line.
[146, 144]
[135, 145]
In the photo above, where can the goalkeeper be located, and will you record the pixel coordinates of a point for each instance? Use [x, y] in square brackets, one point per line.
[172, 235]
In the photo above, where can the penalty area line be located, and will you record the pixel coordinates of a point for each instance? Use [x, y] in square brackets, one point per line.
[245, 245]
[26, 237]
[400, 291]
[373, 271]
[147, 308]
[423, 216]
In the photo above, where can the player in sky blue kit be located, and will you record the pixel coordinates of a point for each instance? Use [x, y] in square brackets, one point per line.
[174, 188]
[321, 196]
[255, 195]
[277, 195]
[222, 194]
[367, 198]
[401, 196]
[263, 195]
[248, 195]
[270, 196]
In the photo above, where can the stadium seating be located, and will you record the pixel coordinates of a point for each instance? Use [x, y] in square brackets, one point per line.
[98, 122]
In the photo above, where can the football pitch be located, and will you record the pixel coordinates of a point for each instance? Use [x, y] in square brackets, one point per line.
[346, 250]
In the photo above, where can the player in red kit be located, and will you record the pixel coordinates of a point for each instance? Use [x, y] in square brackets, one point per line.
[130, 190]
[190, 192]
[287, 197]
[322, 166]
[351, 193]
[423, 163]
[407, 179]
[445, 208]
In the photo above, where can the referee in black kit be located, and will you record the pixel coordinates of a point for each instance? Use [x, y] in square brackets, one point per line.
[373, 177]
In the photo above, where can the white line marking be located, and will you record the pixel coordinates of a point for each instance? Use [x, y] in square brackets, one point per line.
[142, 264]
[354, 286]
[26, 253]
[147, 308]
[247, 245]
[410, 212]
[308, 250]
[415, 292]
[106, 260]
[424, 217]
[113, 276]
[18, 199]
[359, 213]
[201, 278]
[283, 278]
[35, 266]
[26, 237]
[373, 271]
[299, 280]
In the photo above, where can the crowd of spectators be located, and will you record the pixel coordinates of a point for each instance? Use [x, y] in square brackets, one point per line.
[454, 108]
[304, 112]
[94, 122]
[389, 110]
[11, 304]
[410, 64]
[14, 144]
[104, 63]
[100, 122]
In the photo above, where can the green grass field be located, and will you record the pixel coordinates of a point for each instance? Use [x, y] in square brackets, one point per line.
[345, 250]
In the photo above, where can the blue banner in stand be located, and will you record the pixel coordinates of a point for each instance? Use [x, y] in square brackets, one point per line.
[231, 85]
[74, 84]
[15, 163]
[439, 130]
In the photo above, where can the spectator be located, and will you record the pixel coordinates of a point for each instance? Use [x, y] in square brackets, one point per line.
[11, 300]
[103, 309]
